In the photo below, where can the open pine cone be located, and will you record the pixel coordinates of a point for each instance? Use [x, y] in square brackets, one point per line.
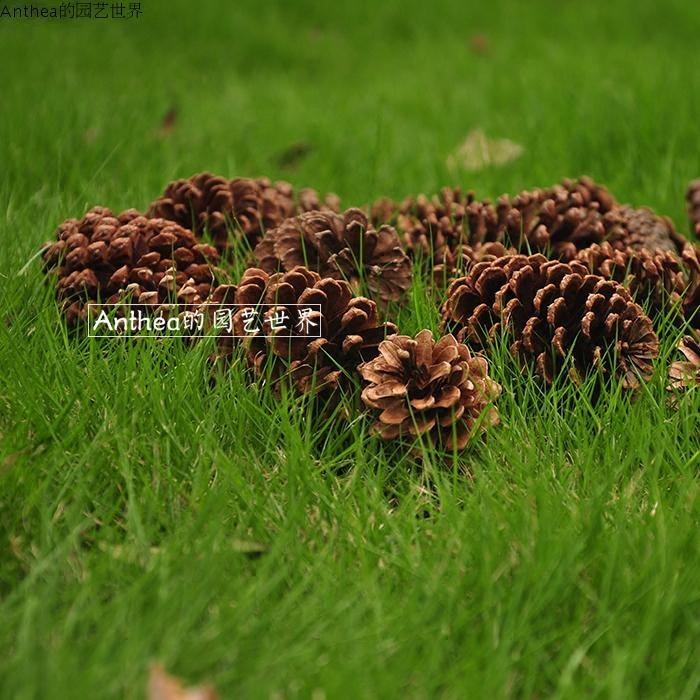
[341, 246]
[564, 219]
[686, 374]
[456, 263]
[248, 206]
[558, 221]
[338, 333]
[103, 257]
[554, 315]
[436, 390]
[427, 226]
[433, 230]
[668, 284]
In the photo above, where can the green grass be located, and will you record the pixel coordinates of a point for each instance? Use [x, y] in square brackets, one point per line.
[279, 550]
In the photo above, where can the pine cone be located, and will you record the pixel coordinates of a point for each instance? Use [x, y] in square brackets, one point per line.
[341, 246]
[558, 220]
[437, 390]
[668, 284]
[102, 257]
[424, 234]
[434, 231]
[641, 229]
[570, 217]
[686, 374]
[384, 211]
[446, 220]
[459, 262]
[310, 201]
[552, 311]
[692, 197]
[327, 345]
[250, 206]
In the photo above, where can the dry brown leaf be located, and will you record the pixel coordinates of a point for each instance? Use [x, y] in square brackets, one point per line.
[91, 134]
[477, 151]
[293, 155]
[249, 548]
[162, 686]
[167, 123]
[479, 43]
[685, 374]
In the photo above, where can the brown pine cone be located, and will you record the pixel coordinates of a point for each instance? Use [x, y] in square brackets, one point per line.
[337, 333]
[641, 228]
[341, 246]
[310, 201]
[584, 192]
[668, 284]
[553, 314]
[248, 206]
[103, 257]
[384, 211]
[457, 263]
[558, 220]
[433, 230]
[569, 217]
[686, 374]
[692, 197]
[446, 220]
[436, 390]
[425, 233]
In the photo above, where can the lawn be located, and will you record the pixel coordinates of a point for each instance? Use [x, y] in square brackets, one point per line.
[275, 548]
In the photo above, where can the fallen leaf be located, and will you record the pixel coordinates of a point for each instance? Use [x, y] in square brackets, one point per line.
[161, 686]
[292, 156]
[316, 33]
[13, 457]
[130, 555]
[10, 460]
[91, 134]
[16, 546]
[477, 151]
[250, 549]
[167, 123]
[479, 43]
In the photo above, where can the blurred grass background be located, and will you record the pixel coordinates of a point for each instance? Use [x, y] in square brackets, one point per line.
[380, 92]
[130, 496]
